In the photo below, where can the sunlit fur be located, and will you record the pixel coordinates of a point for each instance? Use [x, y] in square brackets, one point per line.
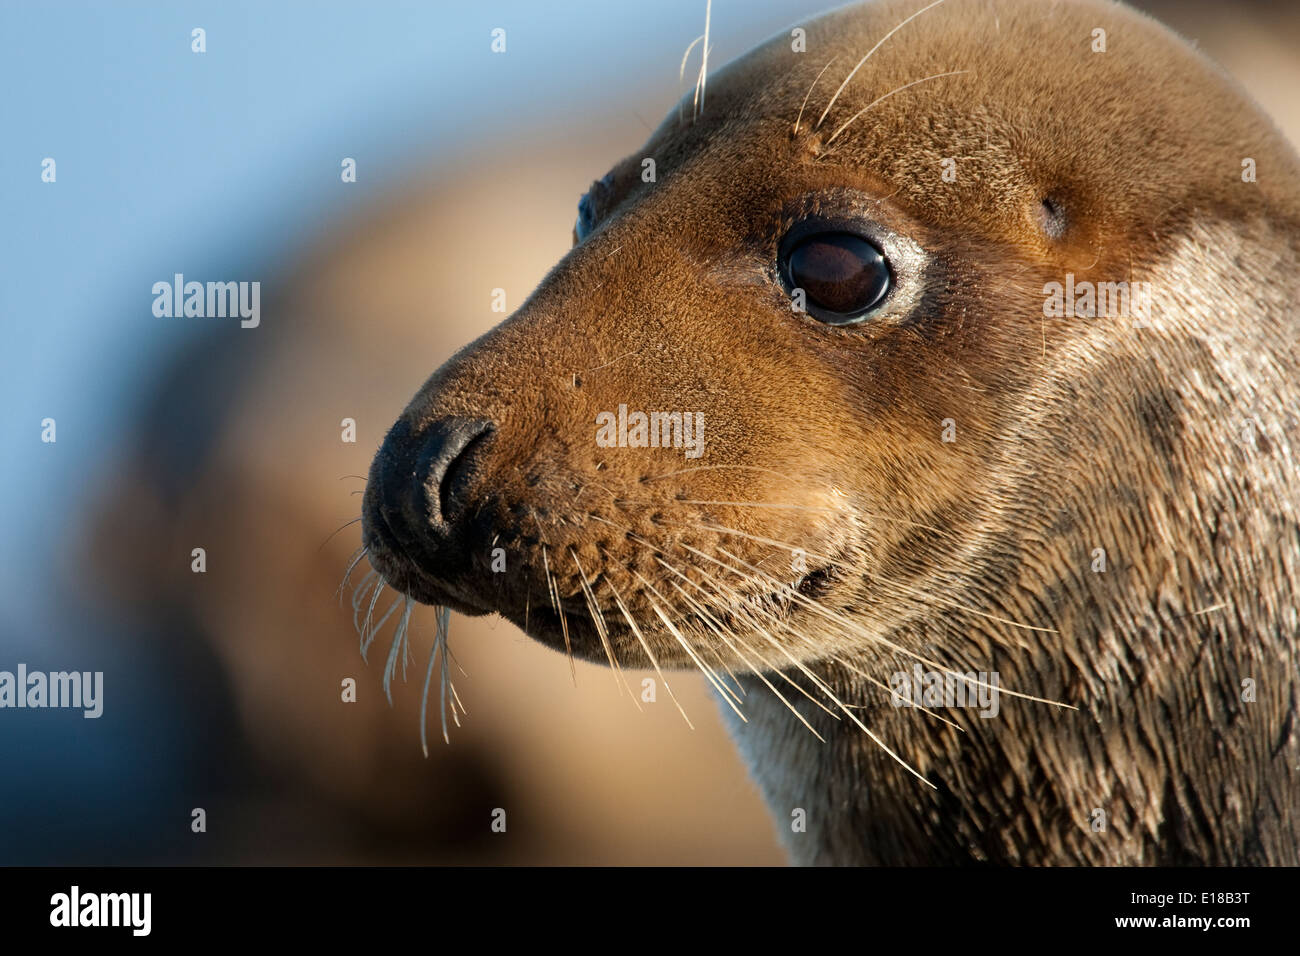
[1072, 435]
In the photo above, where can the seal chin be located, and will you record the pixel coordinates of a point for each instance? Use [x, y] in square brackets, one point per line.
[407, 577]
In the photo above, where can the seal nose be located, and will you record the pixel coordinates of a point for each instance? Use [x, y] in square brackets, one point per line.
[442, 467]
[421, 481]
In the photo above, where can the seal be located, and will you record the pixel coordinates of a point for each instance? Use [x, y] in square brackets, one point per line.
[934, 394]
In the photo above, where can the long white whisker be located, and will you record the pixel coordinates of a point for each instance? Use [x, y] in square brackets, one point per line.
[618, 600]
[881, 684]
[881, 99]
[358, 596]
[717, 629]
[368, 637]
[704, 62]
[598, 619]
[558, 606]
[809, 93]
[862, 61]
[677, 635]
[681, 75]
[819, 608]
[355, 559]
[442, 618]
[745, 610]
[370, 612]
[884, 582]
[398, 637]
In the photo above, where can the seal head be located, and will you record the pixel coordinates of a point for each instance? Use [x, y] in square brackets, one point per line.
[955, 343]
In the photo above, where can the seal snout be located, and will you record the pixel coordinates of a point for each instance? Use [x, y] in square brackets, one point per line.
[417, 503]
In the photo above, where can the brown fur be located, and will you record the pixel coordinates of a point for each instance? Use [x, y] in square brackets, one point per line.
[1072, 435]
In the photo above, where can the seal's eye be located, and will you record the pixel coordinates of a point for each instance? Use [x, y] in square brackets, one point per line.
[586, 219]
[590, 207]
[843, 276]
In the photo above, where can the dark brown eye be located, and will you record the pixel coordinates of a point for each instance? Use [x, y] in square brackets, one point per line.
[843, 276]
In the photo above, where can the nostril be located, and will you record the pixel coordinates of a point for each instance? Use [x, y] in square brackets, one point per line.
[460, 472]
[445, 464]
[421, 482]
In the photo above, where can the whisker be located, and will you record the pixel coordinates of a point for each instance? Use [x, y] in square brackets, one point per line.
[854, 71]
[778, 506]
[370, 610]
[672, 629]
[681, 75]
[723, 529]
[704, 63]
[754, 670]
[598, 619]
[717, 627]
[712, 624]
[558, 605]
[359, 595]
[618, 600]
[353, 561]
[798, 664]
[368, 637]
[743, 609]
[821, 609]
[809, 93]
[825, 689]
[336, 531]
[399, 637]
[881, 684]
[439, 649]
[424, 700]
[722, 662]
[881, 99]
[780, 672]
[886, 582]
